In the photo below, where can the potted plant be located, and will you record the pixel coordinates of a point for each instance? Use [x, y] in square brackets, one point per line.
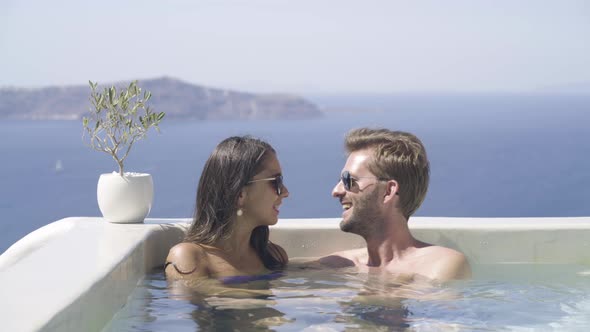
[117, 120]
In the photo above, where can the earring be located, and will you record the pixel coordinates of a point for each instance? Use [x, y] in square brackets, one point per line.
[240, 212]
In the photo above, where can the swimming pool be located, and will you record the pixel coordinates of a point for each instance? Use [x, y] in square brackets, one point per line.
[499, 297]
[77, 273]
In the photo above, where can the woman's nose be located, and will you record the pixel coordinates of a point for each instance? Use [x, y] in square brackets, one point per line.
[285, 191]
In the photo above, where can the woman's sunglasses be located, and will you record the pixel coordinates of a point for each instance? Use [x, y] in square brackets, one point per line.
[348, 180]
[277, 181]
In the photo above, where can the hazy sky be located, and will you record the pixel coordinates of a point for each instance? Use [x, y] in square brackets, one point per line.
[299, 46]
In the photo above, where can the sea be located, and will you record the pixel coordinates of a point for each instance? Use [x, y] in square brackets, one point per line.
[503, 155]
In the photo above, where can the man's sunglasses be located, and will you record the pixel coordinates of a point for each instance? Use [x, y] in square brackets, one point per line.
[277, 181]
[348, 180]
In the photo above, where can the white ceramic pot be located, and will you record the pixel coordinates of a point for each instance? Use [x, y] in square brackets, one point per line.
[125, 199]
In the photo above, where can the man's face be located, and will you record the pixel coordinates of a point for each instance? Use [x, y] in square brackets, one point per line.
[361, 202]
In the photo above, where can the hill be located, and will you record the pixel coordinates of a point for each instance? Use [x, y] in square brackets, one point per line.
[178, 99]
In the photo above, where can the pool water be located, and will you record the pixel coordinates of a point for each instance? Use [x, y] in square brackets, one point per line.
[519, 297]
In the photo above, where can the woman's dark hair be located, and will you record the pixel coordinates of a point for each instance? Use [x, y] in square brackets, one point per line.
[233, 163]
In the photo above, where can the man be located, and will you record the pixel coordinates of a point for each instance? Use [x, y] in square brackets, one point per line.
[383, 183]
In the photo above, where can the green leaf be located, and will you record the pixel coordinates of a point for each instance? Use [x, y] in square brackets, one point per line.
[111, 94]
[97, 125]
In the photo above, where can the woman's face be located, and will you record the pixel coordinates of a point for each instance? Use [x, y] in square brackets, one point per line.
[262, 202]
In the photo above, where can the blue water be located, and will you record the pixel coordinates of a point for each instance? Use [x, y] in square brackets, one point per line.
[501, 297]
[491, 156]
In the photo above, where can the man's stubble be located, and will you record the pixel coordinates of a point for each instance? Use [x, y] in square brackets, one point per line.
[366, 218]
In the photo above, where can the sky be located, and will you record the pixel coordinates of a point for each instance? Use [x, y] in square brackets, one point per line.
[299, 46]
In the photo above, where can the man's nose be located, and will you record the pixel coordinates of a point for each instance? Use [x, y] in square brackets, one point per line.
[338, 189]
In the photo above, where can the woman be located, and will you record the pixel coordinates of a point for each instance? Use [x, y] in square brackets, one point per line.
[239, 195]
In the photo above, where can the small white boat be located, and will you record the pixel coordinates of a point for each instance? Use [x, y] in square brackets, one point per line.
[59, 166]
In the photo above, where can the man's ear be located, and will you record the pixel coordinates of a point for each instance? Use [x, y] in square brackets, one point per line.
[391, 191]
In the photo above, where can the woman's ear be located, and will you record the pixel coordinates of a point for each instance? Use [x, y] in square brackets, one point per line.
[391, 191]
[242, 198]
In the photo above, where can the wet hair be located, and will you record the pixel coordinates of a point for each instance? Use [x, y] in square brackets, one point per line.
[233, 163]
[397, 155]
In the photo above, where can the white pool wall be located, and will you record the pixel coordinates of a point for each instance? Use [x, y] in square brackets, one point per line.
[76, 273]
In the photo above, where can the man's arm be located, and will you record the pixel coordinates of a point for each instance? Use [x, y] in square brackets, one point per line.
[336, 261]
[339, 259]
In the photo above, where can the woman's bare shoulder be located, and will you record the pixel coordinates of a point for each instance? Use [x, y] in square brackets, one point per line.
[186, 259]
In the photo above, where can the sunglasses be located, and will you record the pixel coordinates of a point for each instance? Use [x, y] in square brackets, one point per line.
[348, 180]
[277, 181]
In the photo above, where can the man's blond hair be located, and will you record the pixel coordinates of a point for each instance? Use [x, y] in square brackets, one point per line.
[398, 156]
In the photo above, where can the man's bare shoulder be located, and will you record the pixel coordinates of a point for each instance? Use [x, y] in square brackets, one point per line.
[186, 259]
[443, 264]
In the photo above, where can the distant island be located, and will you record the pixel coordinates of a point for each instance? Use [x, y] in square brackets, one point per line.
[178, 99]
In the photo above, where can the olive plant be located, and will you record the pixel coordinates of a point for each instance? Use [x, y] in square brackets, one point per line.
[118, 119]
